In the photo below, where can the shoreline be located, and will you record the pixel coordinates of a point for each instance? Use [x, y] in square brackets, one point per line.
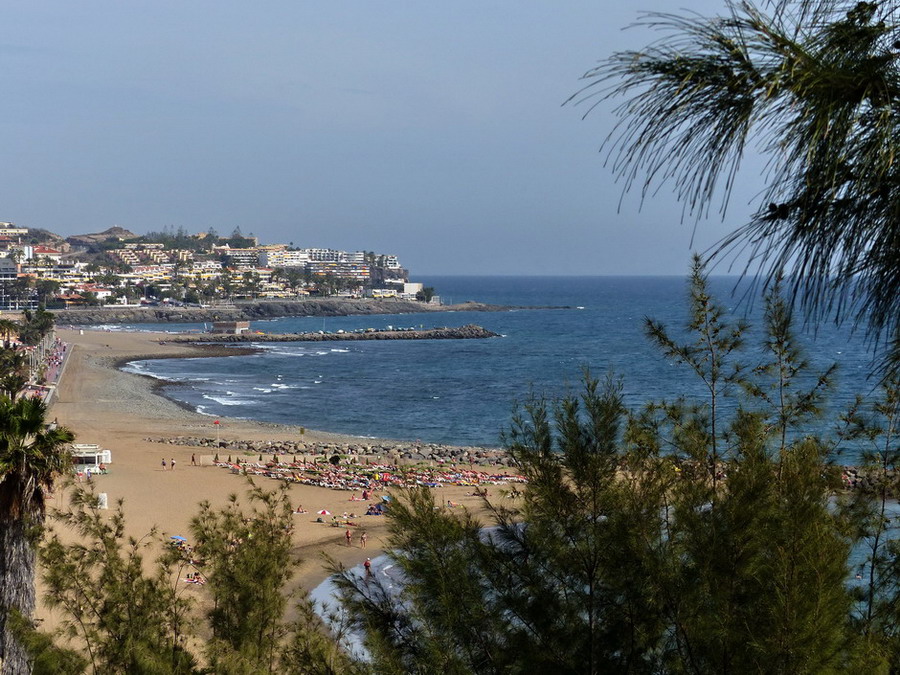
[123, 411]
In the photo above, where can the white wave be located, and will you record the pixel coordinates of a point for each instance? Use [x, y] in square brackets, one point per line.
[278, 385]
[141, 368]
[263, 390]
[138, 367]
[341, 351]
[221, 400]
[317, 381]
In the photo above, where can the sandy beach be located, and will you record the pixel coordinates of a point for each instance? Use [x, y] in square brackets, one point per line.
[120, 411]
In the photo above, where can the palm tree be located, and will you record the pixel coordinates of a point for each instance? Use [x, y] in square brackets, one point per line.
[8, 328]
[227, 283]
[815, 85]
[32, 455]
[14, 371]
[35, 326]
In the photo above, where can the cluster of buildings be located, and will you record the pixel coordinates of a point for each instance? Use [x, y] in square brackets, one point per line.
[142, 272]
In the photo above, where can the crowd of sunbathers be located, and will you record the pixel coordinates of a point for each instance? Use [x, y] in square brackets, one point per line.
[366, 476]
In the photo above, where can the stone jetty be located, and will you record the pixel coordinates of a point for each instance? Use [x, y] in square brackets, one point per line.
[468, 332]
[263, 309]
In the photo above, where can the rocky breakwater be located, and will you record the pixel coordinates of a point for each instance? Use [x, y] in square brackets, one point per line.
[871, 480]
[468, 332]
[392, 452]
[263, 309]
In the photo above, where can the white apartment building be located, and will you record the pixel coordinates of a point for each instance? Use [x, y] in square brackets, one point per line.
[329, 255]
[149, 273]
[240, 257]
[284, 258]
[205, 269]
[144, 246]
[10, 230]
[342, 270]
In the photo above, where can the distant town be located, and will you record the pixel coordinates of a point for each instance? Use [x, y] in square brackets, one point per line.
[116, 267]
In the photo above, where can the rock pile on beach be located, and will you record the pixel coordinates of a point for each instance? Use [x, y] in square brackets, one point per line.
[391, 452]
[870, 480]
[396, 452]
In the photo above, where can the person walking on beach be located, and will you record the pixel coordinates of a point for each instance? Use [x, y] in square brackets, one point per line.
[363, 538]
[173, 464]
[349, 536]
[164, 463]
[368, 566]
[193, 459]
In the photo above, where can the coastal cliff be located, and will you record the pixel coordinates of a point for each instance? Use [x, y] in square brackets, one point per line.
[263, 309]
[468, 332]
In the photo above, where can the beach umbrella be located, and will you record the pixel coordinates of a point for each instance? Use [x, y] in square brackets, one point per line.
[324, 512]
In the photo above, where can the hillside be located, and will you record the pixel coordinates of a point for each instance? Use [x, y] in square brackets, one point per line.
[116, 233]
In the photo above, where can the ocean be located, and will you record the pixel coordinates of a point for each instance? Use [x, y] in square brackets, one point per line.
[463, 391]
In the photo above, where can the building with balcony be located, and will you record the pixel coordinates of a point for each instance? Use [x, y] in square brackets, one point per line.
[240, 257]
[283, 258]
[340, 270]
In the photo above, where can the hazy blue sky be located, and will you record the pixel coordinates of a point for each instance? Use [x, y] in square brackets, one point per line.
[431, 130]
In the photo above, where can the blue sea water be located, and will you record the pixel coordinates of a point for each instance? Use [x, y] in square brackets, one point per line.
[463, 391]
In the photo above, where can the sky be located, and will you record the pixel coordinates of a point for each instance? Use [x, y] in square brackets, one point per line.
[433, 131]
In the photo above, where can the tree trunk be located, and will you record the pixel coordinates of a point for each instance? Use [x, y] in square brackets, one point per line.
[17, 569]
